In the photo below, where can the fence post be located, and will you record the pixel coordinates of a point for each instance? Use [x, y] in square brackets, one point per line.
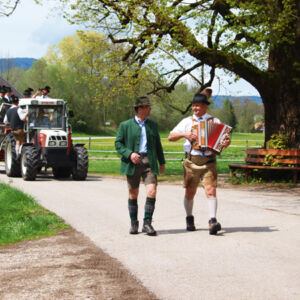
[90, 139]
[246, 144]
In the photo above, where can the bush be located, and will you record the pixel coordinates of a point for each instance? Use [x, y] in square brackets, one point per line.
[278, 141]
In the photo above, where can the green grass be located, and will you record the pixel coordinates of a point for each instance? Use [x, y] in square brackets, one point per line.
[110, 132]
[107, 161]
[21, 218]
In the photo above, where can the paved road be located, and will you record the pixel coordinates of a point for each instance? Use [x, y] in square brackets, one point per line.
[256, 256]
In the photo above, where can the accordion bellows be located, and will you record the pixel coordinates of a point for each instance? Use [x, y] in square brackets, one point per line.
[209, 135]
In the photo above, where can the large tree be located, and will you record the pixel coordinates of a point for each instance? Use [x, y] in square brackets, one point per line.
[258, 40]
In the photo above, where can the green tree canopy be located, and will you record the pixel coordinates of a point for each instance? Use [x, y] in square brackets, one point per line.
[227, 114]
[84, 70]
[258, 40]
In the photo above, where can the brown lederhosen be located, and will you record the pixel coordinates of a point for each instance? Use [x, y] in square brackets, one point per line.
[199, 168]
[19, 135]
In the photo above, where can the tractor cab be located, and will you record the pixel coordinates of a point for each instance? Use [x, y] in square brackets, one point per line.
[46, 122]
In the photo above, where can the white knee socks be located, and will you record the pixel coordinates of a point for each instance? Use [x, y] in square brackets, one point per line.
[212, 207]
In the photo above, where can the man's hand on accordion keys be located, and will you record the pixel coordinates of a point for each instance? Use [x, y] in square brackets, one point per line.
[226, 140]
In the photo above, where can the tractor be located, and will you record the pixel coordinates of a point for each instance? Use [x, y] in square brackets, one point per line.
[48, 142]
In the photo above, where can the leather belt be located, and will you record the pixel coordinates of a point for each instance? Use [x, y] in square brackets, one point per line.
[189, 156]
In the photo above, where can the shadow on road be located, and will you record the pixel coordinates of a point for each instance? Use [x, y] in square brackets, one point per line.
[176, 231]
[50, 177]
[224, 231]
[247, 229]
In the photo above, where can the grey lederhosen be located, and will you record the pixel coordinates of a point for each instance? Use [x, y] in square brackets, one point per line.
[142, 170]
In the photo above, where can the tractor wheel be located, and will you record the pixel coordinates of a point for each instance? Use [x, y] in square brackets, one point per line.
[29, 162]
[12, 162]
[79, 172]
[61, 172]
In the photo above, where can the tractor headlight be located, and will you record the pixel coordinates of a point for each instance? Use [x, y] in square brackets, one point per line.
[52, 143]
[63, 143]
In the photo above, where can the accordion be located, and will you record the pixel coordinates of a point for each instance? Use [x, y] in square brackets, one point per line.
[209, 135]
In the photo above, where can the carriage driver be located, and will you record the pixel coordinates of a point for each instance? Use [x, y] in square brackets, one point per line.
[198, 165]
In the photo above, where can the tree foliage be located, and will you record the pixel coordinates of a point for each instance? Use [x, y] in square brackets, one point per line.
[227, 114]
[91, 117]
[233, 34]
[84, 70]
[255, 40]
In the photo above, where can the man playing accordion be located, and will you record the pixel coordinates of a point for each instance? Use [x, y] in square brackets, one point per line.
[200, 163]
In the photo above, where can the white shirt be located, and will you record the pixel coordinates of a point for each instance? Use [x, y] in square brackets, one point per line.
[21, 112]
[9, 99]
[42, 97]
[185, 125]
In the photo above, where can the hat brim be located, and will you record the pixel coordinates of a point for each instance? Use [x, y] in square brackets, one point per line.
[205, 102]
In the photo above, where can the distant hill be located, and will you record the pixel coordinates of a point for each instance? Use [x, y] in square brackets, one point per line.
[218, 100]
[18, 62]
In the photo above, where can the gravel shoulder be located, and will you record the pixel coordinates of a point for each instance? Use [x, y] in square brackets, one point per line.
[65, 266]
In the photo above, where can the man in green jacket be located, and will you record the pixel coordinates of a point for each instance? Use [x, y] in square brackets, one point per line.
[138, 142]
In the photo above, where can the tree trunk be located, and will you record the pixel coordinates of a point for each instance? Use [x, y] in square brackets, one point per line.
[280, 94]
[282, 114]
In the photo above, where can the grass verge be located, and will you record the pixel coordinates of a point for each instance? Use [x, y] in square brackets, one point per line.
[21, 218]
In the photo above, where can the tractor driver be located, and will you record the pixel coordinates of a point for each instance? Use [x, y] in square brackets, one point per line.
[42, 119]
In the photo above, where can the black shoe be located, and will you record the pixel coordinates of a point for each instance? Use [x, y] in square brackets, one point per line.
[190, 226]
[214, 226]
[147, 227]
[134, 229]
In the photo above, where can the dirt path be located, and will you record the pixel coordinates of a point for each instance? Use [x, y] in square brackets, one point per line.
[66, 266]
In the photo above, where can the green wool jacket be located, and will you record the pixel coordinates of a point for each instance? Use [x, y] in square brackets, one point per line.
[128, 140]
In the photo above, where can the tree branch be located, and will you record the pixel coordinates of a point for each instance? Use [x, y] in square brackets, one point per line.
[171, 87]
[12, 9]
[214, 57]
[180, 110]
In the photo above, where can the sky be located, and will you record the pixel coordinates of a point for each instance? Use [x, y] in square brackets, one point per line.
[33, 28]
